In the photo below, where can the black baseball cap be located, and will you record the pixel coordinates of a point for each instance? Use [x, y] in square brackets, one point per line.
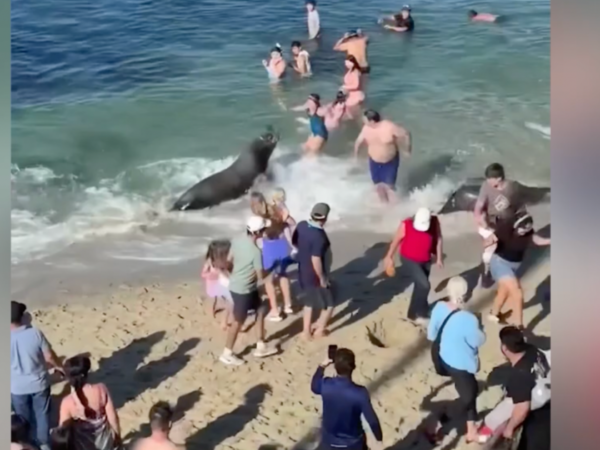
[17, 311]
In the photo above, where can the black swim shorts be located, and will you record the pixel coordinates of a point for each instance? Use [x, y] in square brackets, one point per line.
[318, 297]
[365, 70]
[244, 303]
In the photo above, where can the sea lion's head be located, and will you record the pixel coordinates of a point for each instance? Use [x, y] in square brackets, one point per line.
[263, 147]
[270, 136]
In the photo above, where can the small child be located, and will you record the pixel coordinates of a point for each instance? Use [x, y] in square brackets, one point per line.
[278, 206]
[215, 274]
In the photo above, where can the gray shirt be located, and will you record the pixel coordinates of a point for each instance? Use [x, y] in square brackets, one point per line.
[28, 369]
[247, 261]
[500, 204]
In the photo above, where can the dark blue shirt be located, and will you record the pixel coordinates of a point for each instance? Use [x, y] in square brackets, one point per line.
[343, 404]
[311, 240]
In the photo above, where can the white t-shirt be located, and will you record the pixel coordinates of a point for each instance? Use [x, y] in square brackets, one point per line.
[314, 24]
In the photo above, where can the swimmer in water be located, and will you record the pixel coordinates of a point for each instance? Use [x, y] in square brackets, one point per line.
[474, 16]
[402, 22]
[354, 43]
[313, 20]
[352, 85]
[275, 66]
[335, 111]
[316, 121]
[301, 62]
[384, 141]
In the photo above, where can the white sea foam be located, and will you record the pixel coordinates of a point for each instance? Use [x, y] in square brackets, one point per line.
[545, 131]
[109, 209]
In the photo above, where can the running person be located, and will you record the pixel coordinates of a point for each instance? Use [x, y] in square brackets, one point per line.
[316, 121]
[383, 139]
[352, 85]
[336, 111]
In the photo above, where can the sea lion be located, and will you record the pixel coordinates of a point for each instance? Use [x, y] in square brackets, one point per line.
[233, 182]
[465, 197]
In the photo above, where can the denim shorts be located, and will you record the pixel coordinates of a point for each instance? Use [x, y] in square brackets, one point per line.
[501, 268]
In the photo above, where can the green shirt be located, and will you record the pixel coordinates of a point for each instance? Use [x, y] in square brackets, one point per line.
[247, 261]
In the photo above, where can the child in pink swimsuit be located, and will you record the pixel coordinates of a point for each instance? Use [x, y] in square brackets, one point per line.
[216, 278]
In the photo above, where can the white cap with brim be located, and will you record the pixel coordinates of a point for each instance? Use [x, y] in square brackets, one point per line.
[257, 223]
[422, 219]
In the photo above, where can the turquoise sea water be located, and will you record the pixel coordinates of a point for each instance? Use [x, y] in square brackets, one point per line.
[119, 106]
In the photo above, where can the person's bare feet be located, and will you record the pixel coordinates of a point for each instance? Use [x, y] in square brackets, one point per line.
[307, 336]
[321, 332]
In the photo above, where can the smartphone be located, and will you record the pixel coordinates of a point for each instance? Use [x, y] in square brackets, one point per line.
[331, 351]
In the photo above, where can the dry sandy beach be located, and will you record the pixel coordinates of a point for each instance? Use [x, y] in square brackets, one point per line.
[155, 341]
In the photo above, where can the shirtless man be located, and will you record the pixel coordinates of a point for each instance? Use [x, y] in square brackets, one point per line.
[355, 43]
[474, 16]
[160, 417]
[383, 139]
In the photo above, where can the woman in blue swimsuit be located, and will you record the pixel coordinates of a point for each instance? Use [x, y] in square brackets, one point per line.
[316, 121]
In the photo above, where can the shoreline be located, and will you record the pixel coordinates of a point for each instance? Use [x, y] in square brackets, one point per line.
[154, 341]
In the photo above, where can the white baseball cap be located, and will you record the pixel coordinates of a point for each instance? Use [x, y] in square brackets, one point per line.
[422, 219]
[257, 223]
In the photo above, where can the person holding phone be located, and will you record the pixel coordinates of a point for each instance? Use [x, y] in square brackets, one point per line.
[344, 402]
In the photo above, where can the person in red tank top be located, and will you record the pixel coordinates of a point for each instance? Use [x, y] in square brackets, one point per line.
[418, 240]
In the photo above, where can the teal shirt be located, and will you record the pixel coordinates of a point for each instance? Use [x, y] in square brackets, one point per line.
[247, 261]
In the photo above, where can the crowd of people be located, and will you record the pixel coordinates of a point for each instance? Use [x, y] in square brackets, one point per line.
[384, 139]
[237, 271]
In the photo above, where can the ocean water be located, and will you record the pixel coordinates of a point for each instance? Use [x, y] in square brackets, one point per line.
[120, 106]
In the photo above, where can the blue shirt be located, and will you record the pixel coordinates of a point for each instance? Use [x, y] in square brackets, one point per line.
[461, 338]
[311, 240]
[343, 404]
[28, 369]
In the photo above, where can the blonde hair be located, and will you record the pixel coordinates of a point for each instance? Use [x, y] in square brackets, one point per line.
[457, 290]
[258, 205]
[278, 195]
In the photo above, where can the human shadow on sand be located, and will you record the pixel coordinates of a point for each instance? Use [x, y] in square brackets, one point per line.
[542, 298]
[361, 294]
[450, 418]
[231, 423]
[126, 380]
[415, 350]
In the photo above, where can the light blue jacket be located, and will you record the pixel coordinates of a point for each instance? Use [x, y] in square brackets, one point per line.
[461, 338]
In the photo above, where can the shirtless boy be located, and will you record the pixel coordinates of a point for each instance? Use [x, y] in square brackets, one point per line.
[355, 43]
[385, 140]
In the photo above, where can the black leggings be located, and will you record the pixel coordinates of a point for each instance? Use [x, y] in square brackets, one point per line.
[467, 389]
